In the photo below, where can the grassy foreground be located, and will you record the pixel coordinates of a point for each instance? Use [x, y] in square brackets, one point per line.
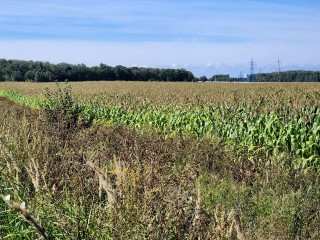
[83, 181]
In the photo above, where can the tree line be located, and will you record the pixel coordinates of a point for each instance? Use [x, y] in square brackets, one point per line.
[288, 76]
[37, 71]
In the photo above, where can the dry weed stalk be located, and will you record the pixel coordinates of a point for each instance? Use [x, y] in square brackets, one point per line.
[33, 169]
[22, 210]
[105, 182]
[226, 224]
[235, 219]
[197, 207]
[12, 166]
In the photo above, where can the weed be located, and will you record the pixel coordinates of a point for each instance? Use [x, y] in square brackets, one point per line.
[60, 108]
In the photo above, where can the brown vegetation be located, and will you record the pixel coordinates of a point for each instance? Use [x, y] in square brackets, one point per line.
[182, 94]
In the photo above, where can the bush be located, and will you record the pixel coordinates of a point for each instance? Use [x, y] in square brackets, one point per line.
[60, 107]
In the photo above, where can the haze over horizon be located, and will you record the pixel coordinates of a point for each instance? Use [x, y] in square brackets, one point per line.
[206, 37]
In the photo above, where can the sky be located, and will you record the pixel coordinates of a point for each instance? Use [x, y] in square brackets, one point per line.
[207, 37]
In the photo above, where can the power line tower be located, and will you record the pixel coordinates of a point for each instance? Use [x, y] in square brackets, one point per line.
[251, 78]
[279, 70]
[279, 66]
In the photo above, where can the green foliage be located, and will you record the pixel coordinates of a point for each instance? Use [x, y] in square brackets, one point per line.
[59, 107]
[12, 224]
[287, 76]
[274, 130]
[22, 99]
[16, 70]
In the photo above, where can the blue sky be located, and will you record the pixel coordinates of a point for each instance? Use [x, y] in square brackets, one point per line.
[206, 37]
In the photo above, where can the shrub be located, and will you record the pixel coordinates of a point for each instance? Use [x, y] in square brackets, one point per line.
[60, 107]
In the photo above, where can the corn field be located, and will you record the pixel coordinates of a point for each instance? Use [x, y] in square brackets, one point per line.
[254, 125]
[115, 160]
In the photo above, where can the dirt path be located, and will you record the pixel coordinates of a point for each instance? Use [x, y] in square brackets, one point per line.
[7, 105]
[6, 102]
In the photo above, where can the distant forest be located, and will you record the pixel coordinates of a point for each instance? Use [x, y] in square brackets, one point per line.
[17, 70]
[37, 71]
[288, 76]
